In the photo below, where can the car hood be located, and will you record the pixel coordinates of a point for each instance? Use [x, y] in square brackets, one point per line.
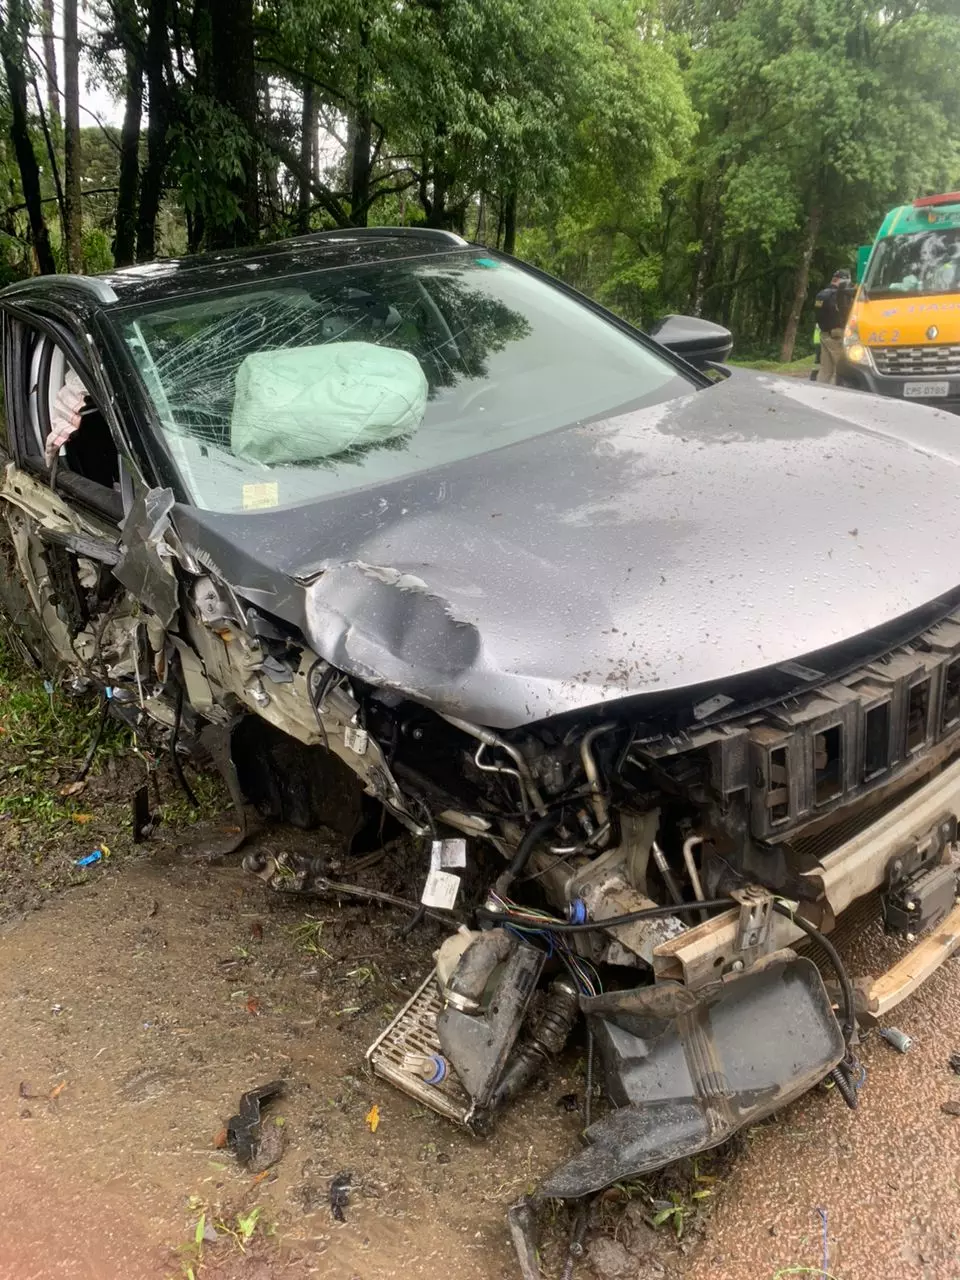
[709, 536]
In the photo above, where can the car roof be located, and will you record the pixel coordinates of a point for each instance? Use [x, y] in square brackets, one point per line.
[173, 277]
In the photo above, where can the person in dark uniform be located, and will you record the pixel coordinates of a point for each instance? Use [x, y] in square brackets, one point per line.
[832, 306]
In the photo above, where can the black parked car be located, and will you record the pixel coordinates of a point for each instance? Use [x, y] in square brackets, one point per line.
[387, 513]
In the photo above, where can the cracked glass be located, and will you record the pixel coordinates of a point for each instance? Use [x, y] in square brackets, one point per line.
[313, 385]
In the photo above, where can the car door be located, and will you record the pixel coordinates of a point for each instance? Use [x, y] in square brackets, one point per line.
[63, 494]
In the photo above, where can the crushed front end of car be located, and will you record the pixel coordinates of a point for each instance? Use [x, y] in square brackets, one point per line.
[660, 687]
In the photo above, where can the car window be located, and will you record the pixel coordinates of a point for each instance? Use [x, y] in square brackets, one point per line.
[65, 431]
[328, 381]
[928, 262]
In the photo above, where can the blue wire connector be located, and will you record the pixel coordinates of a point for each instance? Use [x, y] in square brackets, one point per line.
[577, 911]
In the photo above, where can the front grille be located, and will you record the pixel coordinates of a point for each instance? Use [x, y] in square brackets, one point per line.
[803, 760]
[923, 362]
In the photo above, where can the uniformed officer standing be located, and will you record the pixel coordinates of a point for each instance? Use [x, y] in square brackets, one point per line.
[832, 306]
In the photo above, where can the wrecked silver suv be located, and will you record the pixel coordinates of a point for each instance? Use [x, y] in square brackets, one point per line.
[675, 652]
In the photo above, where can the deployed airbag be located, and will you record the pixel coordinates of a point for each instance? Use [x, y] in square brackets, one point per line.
[301, 404]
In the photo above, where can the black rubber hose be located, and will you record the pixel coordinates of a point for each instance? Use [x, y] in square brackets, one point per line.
[174, 755]
[522, 921]
[95, 741]
[845, 1086]
[849, 1023]
[522, 856]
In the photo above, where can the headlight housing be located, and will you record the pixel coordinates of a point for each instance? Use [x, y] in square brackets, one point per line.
[853, 348]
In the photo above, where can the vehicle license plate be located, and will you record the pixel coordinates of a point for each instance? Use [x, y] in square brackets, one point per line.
[923, 390]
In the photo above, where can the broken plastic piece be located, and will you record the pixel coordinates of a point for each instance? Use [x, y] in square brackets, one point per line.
[90, 859]
[339, 1195]
[522, 1225]
[243, 1129]
[686, 1070]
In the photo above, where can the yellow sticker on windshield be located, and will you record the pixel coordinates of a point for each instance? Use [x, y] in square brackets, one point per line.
[258, 496]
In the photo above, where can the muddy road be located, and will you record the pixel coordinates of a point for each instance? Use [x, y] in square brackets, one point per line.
[136, 1008]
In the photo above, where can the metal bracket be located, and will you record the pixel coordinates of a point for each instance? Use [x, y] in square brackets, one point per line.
[754, 937]
[925, 851]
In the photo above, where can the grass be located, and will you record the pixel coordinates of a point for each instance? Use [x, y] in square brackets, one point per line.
[792, 369]
[45, 735]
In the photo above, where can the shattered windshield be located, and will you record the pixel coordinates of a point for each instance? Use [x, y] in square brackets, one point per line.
[319, 383]
[928, 262]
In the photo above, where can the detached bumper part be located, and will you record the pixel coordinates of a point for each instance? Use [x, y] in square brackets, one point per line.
[686, 1070]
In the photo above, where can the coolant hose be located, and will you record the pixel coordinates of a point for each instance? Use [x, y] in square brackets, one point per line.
[469, 979]
[518, 862]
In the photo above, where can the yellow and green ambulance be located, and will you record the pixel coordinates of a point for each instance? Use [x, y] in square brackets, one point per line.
[903, 334]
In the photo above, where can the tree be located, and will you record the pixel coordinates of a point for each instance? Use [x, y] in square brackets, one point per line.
[50, 64]
[156, 55]
[13, 53]
[73, 213]
[130, 38]
[815, 118]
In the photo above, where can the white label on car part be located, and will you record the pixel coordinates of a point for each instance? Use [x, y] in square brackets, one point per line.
[449, 853]
[257, 497]
[356, 739]
[923, 390]
[441, 889]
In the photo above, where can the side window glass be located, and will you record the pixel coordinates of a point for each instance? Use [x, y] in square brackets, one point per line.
[66, 427]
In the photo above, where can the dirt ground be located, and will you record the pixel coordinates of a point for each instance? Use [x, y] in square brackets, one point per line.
[141, 997]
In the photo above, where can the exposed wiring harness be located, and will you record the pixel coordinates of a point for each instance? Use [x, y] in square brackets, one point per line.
[540, 926]
[848, 1075]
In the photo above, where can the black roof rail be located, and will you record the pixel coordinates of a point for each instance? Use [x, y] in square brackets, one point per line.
[431, 233]
[97, 287]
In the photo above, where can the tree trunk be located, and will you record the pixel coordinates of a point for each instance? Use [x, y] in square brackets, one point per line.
[803, 279]
[271, 177]
[158, 123]
[362, 132]
[13, 53]
[51, 146]
[50, 66]
[235, 86]
[726, 305]
[510, 222]
[308, 129]
[71, 136]
[128, 183]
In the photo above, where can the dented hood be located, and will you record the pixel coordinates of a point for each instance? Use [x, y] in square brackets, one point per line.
[713, 535]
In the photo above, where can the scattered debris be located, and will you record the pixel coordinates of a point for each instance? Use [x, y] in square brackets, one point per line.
[244, 1129]
[953, 1062]
[73, 788]
[269, 1150]
[896, 1038]
[256, 931]
[51, 1095]
[951, 1108]
[575, 1247]
[82, 818]
[144, 822]
[90, 859]
[568, 1101]
[372, 1118]
[339, 1195]
[253, 1006]
[522, 1224]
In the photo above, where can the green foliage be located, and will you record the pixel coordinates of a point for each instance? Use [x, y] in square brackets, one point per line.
[715, 156]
